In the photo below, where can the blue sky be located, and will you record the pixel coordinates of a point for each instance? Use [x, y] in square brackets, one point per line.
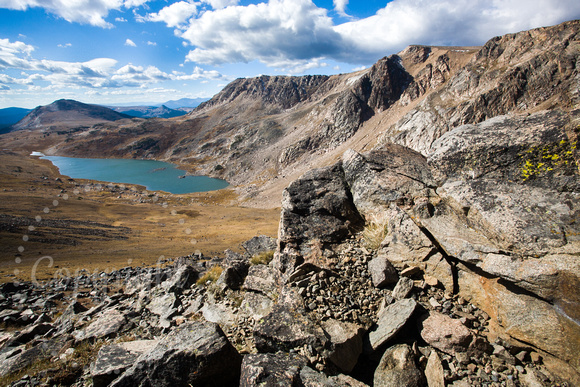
[143, 51]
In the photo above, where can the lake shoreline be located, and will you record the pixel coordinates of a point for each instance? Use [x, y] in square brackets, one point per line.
[132, 227]
[154, 175]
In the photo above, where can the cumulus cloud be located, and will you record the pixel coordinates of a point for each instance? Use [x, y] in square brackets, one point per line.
[17, 58]
[280, 30]
[91, 12]
[219, 4]
[175, 14]
[340, 6]
[449, 22]
[297, 31]
[130, 43]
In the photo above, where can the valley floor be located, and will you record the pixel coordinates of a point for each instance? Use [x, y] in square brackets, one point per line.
[54, 226]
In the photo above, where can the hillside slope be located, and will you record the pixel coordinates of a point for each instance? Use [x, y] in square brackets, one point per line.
[66, 112]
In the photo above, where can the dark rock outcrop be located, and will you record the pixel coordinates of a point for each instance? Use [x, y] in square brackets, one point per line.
[271, 369]
[195, 353]
[317, 210]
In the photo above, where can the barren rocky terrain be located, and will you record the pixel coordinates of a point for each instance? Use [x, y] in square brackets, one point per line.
[429, 234]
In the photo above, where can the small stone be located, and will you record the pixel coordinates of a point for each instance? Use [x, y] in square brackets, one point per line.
[382, 272]
[536, 357]
[410, 271]
[391, 320]
[521, 356]
[434, 371]
[462, 357]
[430, 280]
[433, 302]
[444, 333]
[397, 368]
[472, 368]
[403, 288]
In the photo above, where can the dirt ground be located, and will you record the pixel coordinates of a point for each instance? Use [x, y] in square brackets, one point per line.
[51, 225]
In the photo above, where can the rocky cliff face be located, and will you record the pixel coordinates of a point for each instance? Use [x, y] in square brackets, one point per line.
[492, 213]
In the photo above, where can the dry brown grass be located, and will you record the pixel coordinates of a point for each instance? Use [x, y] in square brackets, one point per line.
[142, 233]
[211, 276]
[262, 258]
[375, 230]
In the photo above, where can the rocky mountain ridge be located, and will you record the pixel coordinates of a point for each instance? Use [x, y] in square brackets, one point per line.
[262, 133]
[149, 111]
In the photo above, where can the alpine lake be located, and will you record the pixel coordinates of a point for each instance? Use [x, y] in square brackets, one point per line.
[154, 175]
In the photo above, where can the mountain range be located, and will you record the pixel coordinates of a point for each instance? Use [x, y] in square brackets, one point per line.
[173, 108]
[261, 133]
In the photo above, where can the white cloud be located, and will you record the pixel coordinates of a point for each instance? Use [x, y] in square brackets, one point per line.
[149, 43]
[130, 43]
[299, 32]
[219, 4]
[280, 30]
[197, 74]
[66, 45]
[450, 22]
[340, 6]
[175, 14]
[120, 19]
[16, 58]
[91, 12]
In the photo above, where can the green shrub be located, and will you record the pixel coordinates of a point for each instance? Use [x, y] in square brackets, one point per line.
[262, 258]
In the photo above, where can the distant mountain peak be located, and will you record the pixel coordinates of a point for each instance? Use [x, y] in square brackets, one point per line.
[66, 112]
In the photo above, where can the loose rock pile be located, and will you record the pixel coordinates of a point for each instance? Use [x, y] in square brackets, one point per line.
[327, 324]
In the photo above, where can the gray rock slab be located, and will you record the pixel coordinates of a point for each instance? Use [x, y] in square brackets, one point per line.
[390, 322]
[194, 353]
[397, 368]
[113, 359]
[402, 288]
[271, 369]
[346, 341]
[106, 325]
[263, 279]
[287, 328]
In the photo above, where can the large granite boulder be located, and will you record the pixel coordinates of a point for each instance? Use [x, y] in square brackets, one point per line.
[194, 353]
[397, 368]
[271, 369]
[316, 207]
[376, 179]
[286, 328]
[260, 244]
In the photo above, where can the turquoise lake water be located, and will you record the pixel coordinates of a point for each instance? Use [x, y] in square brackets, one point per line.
[154, 175]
